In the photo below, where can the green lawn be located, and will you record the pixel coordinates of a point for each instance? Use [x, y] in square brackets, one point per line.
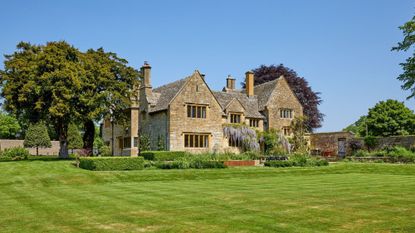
[54, 196]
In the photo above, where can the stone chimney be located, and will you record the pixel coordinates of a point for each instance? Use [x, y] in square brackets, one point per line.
[146, 74]
[146, 87]
[249, 83]
[230, 83]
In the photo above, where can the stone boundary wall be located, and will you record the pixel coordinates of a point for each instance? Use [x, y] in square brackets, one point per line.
[404, 141]
[9, 143]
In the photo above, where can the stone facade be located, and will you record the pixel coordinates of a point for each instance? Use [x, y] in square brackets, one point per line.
[187, 115]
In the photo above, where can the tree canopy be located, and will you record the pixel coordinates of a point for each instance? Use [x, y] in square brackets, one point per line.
[59, 84]
[37, 136]
[386, 118]
[307, 97]
[358, 127]
[9, 126]
[408, 75]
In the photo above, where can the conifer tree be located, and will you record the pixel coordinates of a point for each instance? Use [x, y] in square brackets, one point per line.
[37, 136]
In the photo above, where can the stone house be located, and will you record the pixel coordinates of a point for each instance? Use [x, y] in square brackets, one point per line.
[186, 115]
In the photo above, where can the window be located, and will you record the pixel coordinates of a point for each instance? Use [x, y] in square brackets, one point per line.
[197, 88]
[107, 123]
[120, 143]
[286, 131]
[135, 141]
[286, 113]
[195, 140]
[234, 143]
[235, 118]
[195, 111]
[127, 142]
[254, 123]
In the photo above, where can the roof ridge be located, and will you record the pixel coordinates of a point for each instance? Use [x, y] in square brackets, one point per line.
[267, 82]
[168, 84]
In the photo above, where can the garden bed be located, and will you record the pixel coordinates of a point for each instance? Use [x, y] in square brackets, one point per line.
[241, 163]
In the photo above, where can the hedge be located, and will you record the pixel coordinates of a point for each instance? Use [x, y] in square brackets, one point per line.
[198, 164]
[163, 155]
[293, 163]
[111, 163]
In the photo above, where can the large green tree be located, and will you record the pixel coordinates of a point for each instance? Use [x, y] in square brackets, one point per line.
[59, 84]
[37, 136]
[43, 82]
[408, 75]
[390, 117]
[9, 126]
[108, 86]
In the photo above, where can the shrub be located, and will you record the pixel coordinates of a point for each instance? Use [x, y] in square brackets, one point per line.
[361, 153]
[355, 145]
[370, 142]
[185, 164]
[111, 163]
[279, 163]
[15, 153]
[163, 155]
[105, 151]
[297, 160]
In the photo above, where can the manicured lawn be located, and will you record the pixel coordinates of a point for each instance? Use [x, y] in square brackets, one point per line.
[54, 196]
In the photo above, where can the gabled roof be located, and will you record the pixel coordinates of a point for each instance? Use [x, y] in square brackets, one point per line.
[249, 103]
[264, 91]
[166, 94]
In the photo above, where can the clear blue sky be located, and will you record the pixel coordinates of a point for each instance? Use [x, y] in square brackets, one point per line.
[341, 47]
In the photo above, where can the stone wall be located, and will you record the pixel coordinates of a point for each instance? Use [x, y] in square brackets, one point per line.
[404, 141]
[155, 126]
[328, 143]
[54, 150]
[179, 123]
[282, 97]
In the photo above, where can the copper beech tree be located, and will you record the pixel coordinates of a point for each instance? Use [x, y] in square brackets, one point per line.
[308, 98]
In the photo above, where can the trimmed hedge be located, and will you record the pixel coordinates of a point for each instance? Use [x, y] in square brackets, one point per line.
[163, 155]
[183, 164]
[306, 162]
[111, 163]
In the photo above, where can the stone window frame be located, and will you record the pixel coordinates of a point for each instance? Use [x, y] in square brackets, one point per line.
[196, 111]
[253, 122]
[286, 130]
[196, 140]
[235, 118]
[126, 142]
[286, 113]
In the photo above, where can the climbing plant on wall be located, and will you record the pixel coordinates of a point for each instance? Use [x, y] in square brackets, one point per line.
[242, 135]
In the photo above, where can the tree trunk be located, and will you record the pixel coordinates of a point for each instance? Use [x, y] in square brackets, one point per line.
[37, 151]
[63, 151]
[62, 130]
[89, 135]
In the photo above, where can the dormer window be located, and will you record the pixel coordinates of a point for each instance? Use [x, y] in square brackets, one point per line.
[286, 113]
[235, 118]
[254, 123]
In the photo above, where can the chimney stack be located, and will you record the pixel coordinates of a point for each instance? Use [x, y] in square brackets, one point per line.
[146, 73]
[146, 89]
[249, 83]
[230, 83]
